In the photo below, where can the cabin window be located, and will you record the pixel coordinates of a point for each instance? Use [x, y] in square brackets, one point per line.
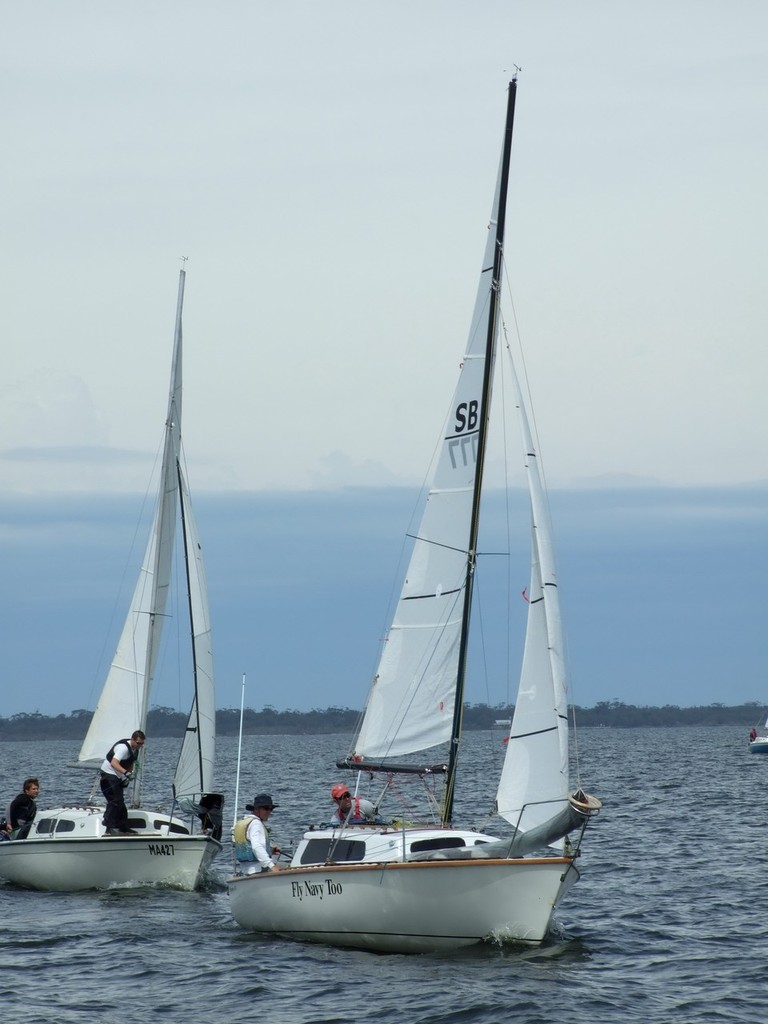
[64, 825]
[318, 851]
[171, 826]
[45, 826]
[444, 843]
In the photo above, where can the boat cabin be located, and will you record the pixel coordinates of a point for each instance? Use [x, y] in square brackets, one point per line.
[85, 822]
[374, 844]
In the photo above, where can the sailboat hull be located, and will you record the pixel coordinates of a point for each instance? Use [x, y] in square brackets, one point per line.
[67, 851]
[407, 907]
[74, 865]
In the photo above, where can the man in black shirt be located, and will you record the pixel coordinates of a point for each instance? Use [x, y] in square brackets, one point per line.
[23, 808]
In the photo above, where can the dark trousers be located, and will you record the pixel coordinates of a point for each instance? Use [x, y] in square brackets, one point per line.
[116, 814]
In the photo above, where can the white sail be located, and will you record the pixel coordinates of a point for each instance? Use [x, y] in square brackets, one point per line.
[411, 702]
[73, 848]
[194, 772]
[124, 700]
[534, 779]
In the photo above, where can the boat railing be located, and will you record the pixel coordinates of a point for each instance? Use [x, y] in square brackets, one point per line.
[569, 814]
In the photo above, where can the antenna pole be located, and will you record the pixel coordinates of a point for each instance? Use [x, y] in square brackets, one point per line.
[239, 753]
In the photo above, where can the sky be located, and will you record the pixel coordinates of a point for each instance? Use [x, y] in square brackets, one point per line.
[327, 171]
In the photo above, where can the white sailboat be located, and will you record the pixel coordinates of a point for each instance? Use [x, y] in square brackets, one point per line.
[67, 848]
[406, 887]
[758, 743]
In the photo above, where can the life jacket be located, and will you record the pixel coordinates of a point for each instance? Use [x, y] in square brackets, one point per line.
[355, 815]
[243, 848]
[128, 762]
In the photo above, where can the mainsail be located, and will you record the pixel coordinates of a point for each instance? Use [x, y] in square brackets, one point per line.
[411, 702]
[124, 699]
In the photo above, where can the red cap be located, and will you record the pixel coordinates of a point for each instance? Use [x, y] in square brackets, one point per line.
[338, 791]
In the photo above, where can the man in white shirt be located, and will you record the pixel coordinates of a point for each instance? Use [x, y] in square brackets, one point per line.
[258, 836]
[116, 774]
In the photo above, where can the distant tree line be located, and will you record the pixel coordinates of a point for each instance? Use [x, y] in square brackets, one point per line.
[167, 722]
[626, 716]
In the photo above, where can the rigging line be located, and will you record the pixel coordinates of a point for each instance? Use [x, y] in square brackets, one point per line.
[189, 567]
[481, 629]
[502, 377]
[521, 351]
[175, 599]
[436, 543]
[181, 562]
[460, 551]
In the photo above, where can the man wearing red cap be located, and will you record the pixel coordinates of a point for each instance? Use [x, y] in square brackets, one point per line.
[351, 810]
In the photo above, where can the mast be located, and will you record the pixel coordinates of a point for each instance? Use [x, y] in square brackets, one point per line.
[165, 524]
[164, 528]
[490, 353]
[195, 766]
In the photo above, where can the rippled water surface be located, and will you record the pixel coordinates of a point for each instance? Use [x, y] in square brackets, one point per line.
[666, 925]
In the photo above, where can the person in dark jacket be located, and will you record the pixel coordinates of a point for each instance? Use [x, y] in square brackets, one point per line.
[116, 774]
[23, 809]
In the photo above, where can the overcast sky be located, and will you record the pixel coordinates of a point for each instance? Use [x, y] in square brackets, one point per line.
[327, 168]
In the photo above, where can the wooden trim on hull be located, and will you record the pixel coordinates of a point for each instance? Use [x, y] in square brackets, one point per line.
[398, 865]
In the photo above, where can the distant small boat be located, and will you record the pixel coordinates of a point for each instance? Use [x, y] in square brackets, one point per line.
[759, 744]
[66, 849]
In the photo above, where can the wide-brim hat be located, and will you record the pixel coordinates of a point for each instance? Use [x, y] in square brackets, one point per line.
[261, 800]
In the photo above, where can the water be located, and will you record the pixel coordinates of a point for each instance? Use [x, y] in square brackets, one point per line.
[666, 925]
